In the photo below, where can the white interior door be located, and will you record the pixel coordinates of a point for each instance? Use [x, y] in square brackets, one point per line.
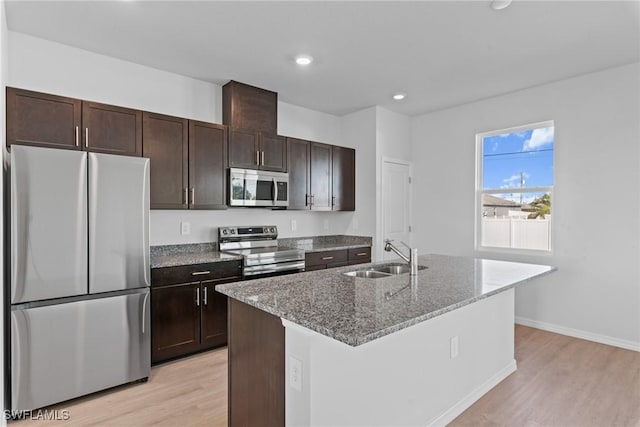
[396, 203]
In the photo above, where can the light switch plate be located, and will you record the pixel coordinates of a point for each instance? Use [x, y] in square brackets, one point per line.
[454, 347]
[294, 225]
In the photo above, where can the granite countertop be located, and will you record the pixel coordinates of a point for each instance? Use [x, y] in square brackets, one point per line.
[202, 253]
[325, 243]
[356, 311]
[197, 253]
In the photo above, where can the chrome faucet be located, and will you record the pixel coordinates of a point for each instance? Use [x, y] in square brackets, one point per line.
[412, 259]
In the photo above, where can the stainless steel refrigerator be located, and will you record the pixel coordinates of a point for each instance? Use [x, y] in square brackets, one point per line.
[79, 273]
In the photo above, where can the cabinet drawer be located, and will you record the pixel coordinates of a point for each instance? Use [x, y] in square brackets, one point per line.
[326, 257]
[360, 255]
[195, 273]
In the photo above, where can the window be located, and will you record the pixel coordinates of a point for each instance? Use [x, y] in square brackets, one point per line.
[515, 188]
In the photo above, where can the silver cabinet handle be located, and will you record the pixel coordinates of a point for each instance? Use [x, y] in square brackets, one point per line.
[325, 258]
[262, 162]
[312, 197]
[306, 200]
[205, 295]
[333, 201]
[193, 196]
[361, 254]
[198, 296]
[86, 137]
[258, 158]
[77, 136]
[200, 273]
[186, 196]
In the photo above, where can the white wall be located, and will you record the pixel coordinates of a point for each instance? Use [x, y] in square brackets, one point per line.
[596, 291]
[359, 132]
[51, 67]
[4, 58]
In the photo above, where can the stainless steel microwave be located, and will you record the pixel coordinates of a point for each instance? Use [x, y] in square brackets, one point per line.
[249, 187]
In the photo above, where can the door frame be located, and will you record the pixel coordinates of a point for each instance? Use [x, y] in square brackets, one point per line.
[379, 250]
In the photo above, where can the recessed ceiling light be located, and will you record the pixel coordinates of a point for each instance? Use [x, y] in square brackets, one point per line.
[500, 4]
[304, 60]
[399, 96]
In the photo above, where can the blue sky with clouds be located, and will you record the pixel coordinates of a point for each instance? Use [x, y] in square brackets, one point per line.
[509, 157]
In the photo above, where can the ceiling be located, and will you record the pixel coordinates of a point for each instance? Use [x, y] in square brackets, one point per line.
[441, 53]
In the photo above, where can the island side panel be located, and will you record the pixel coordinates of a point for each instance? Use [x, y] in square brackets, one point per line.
[256, 367]
[407, 377]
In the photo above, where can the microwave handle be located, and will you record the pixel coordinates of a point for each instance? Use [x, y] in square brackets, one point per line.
[275, 191]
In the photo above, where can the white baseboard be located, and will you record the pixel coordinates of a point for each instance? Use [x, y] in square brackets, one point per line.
[472, 397]
[577, 333]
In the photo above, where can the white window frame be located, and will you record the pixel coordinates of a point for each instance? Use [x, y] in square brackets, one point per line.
[480, 191]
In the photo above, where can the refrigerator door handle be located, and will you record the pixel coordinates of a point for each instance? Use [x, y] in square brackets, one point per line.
[144, 311]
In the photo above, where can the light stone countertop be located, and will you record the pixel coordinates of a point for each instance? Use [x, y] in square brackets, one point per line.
[203, 253]
[356, 310]
[189, 254]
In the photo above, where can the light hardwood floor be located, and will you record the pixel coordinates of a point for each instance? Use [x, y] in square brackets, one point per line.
[560, 381]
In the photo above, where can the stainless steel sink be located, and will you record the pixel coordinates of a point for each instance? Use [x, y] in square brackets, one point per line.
[367, 274]
[380, 271]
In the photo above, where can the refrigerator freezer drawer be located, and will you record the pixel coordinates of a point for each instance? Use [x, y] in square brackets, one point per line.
[63, 351]
[48, 223]
[118, 222]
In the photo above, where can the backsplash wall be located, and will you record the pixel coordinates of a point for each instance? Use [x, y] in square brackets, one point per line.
[166, 225]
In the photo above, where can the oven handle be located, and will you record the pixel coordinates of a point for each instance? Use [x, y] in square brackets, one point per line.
[272, 268]
[253, 262]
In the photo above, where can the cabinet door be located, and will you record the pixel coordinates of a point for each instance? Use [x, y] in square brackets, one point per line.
[249, 107]
[111, 130]
[165, 143]
[298, 167]
[273, 152]
[175, 321]
[343, 178]
[214, 315]
[44, 120]
[243, 149]
[320, 161]
[207, 165]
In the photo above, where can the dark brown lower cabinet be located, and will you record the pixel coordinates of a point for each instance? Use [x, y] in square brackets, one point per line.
[338, 258]
[187, 313]
[256, 367]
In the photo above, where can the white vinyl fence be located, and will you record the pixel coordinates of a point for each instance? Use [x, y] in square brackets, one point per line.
[517, 233]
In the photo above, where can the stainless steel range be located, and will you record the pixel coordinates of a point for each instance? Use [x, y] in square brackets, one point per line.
[259, 247]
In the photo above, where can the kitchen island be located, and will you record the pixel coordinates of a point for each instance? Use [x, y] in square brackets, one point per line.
[324, 348]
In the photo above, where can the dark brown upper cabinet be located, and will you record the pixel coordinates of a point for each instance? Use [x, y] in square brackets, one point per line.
[111, 130]
[166, 144]
[257, 150]
[309, 166]
[207, 165]
[44, 120]
[343, 179]
[57, 122]
[188, 162]
[249, 107]
[298, 167]
[320, 173]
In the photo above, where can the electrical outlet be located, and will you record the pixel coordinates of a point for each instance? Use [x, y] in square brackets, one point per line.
[185, 228]
[295, 373]
[355, 223]
[294, 225]
[454, 347]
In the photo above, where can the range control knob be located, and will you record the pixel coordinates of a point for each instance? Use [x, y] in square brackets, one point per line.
[224, 231]
[272, 229]
[233, 231]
